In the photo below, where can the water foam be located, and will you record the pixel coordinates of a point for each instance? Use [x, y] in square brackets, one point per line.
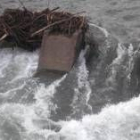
[106, 33]
[16, 69]
[83, 91]
[114, 122]
[43, 96]
[124, 61]
[23, 63]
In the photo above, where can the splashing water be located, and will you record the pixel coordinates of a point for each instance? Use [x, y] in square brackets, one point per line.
[114, 122]
[26, 104]
[83, 91]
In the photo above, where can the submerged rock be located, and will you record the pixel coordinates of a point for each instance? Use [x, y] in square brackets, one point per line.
[98, 42]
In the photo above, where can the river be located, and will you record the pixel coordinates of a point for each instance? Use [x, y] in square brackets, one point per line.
[98, 100]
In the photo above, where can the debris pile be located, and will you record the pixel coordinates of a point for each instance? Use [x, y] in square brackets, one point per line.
[25, 27]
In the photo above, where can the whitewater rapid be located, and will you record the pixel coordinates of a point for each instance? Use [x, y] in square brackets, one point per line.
[26, 103]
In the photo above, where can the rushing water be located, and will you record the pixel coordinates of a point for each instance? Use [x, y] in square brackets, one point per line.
[96, 100]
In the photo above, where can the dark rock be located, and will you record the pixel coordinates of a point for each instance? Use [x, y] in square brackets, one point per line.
[99, 42]
[135, 76]
[5, 44]
[95, 40]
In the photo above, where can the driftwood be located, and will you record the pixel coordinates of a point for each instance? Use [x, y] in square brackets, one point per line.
[55, 23]
[3, 37]
[25, 27]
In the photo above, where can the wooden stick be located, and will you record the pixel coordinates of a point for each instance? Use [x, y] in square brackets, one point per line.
[55, 23]
[55, 9]
[48, 26]
[3, 37]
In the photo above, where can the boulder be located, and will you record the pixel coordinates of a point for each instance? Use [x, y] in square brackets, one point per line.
[99, 43]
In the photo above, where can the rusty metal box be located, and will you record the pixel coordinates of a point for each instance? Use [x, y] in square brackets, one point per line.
[59, 52]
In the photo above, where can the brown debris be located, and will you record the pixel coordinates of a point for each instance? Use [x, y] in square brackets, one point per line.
[25, 27]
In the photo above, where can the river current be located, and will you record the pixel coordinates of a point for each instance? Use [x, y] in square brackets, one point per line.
[98, 100]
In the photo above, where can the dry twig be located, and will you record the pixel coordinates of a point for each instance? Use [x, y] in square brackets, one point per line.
[25, 27]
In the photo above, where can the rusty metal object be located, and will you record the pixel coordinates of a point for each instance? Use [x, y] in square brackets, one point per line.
[59, 52]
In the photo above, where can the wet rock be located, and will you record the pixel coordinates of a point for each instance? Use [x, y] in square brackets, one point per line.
[51, 76]
[92, 43]
[95, 35]
[5, 44]
[99, 42]
[103, 50]
[135, 76]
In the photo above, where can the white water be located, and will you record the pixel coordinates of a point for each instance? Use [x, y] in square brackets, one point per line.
[115, 122]
[83, 91]
[22, 115]
[30, 121]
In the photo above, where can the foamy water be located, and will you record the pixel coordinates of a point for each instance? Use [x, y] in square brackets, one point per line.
[30, 120]
[112, 123]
